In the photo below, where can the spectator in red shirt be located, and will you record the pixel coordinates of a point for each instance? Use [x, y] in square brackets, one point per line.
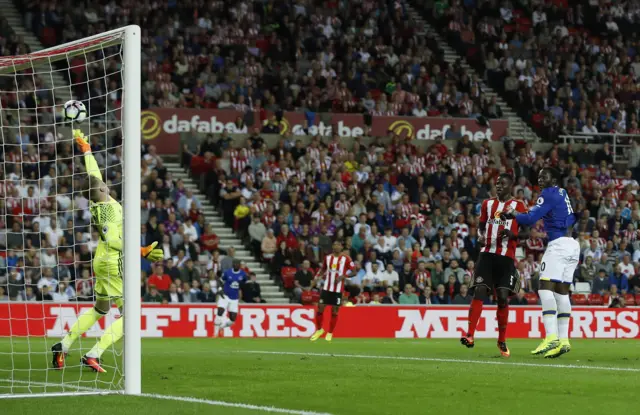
[161, 280]
[288, 238]
[209, 241]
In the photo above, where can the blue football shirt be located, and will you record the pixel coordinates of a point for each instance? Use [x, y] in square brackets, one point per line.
[554, 208]
[233, 280]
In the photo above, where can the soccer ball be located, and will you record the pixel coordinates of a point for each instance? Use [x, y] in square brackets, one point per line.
[74, 111]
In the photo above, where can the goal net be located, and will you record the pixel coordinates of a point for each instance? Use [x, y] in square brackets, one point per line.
[47, 280]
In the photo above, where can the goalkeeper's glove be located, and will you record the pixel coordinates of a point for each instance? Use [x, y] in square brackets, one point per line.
[151, 253]
[82, 142]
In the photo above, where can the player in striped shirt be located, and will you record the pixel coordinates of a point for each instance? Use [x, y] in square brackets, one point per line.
[496, 267]
[337, 267]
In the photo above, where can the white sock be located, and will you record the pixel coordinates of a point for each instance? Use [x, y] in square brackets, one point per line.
[549, 312]
[218, 321]
[564, 315]
[228, 323]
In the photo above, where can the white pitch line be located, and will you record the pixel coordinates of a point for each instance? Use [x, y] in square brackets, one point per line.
[83, 391]
[233, 405]
[442, 360]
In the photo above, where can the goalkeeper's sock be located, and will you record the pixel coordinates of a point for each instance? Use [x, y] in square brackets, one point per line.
[334, 321]
[84, 323]
[549, 311]
[113, 333]
[564, 315]
[319, 319]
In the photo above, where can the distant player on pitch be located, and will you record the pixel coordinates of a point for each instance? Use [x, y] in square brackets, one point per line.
[559, 261]
[232, 280]
[106, 214]
[496, 268]
[337, 267]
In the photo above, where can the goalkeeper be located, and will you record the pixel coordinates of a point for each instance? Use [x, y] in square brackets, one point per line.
[106, 215]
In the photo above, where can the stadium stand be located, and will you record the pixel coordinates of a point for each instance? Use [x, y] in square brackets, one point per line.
[360, 57]
[568, 66]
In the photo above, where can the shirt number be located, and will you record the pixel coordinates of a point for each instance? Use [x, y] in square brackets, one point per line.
[567, 201]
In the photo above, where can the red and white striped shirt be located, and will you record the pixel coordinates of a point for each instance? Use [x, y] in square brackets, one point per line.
[342, 208]
[238, 164]
[490, 214]
[268, 219]
[260, 207]
[422, 278]
[406, 210]
[336, 266]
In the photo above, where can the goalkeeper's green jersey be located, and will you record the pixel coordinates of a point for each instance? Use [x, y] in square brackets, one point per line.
[107, 218]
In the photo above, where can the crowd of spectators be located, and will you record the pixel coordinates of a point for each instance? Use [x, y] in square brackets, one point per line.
[566, 66]
[48, 241]
[316, 55]
[408, 215]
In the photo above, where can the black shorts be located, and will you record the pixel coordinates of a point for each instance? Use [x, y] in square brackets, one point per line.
[496, 271]
[330, 298]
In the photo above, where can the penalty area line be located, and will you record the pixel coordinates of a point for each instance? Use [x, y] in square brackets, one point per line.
[444, 360]
[232, 404]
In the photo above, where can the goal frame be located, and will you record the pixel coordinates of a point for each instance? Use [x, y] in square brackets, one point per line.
[130, 119]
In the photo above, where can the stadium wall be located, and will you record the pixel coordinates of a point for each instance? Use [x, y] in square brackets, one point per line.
[290, 321]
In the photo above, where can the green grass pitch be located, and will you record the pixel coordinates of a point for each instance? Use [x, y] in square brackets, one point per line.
[414, 377]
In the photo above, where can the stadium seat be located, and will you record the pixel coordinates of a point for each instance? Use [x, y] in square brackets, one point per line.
[288, 277]
[307, 297]
[315, 297]
[629, 299]
[595, 299]
[582, 288]
[532, 298]
[579, 299]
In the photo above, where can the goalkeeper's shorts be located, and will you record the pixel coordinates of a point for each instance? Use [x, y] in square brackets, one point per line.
[108, 279]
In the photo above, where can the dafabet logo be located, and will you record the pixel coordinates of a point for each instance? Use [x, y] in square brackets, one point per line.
[150, 125]
[155, 123]
[429, 131]
[402, 128]
[322, 128]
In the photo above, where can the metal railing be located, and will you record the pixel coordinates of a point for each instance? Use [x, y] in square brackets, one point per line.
[620, 142]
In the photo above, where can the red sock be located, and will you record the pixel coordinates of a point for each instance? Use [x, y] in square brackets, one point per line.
[334, 321]
[319, 318]
[503, 320]
[474, 315]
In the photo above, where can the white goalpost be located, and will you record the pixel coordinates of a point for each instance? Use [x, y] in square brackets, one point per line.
[46, 277]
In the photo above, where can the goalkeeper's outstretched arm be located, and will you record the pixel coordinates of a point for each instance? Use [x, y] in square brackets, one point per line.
[98, 189]
[99, 193]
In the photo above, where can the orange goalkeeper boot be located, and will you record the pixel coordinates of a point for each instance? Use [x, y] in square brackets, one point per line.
[93, 363]
[58, 356]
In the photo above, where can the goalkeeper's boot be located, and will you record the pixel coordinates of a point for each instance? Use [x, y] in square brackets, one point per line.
[93, 363]
[547, 344]
[328, 337]
[317, 335]
[58, 356]
[504, 350]
[562, 348]
[467, 341]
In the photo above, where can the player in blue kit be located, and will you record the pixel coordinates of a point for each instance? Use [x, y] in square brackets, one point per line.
[559, 261]
[232, 280]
